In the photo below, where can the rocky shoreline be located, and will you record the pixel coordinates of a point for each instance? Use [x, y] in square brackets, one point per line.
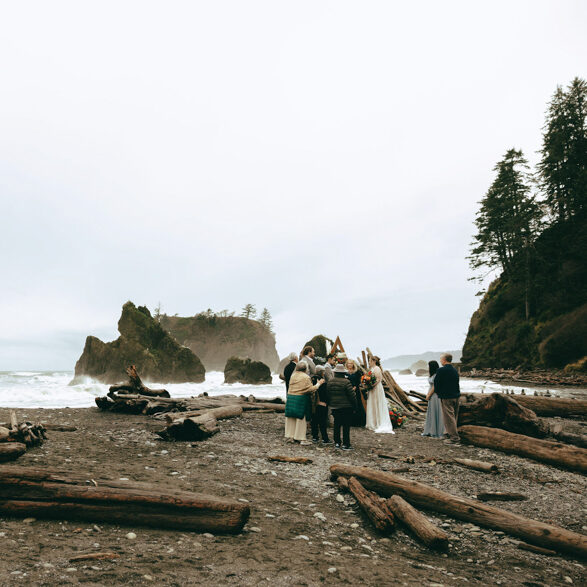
[543, 378]
[302, 530]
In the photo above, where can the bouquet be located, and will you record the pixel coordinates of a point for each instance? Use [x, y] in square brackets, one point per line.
[396, 417]
[368, 381]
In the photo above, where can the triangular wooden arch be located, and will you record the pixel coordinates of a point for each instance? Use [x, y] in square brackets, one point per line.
[337, 346]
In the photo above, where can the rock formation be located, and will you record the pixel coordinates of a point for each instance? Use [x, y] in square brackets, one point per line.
[239, 370]
[214, 339]
[144, 343]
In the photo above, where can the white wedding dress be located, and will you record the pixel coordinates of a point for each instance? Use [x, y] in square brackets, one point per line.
[377, 409]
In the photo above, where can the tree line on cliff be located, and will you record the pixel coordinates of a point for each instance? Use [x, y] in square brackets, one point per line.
[531, 230]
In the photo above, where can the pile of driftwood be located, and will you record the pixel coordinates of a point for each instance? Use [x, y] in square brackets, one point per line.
[39, 493]
[15, 438]
[386, 497]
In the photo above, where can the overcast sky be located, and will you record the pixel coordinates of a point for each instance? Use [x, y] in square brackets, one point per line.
[322, 159]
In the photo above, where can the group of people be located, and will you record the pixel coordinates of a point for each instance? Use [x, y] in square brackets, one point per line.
[315, 390]
[443, 400]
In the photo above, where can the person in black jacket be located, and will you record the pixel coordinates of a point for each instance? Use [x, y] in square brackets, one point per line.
[343, 403]
[320, 415]
[446, 386]
[289, 369]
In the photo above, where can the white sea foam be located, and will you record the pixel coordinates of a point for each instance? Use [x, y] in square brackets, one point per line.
[36, 389]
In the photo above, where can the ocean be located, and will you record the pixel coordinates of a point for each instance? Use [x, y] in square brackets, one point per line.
[51, 389]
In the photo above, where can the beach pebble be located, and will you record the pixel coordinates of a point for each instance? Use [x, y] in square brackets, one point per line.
[131, 535]
[301, 537]
[269, 516]
[354, 525]
[208, 535]
[243, 500]
[47, 565]
[346, 548]
[332, 570]
[254, 529]
[71, 570]
[148, 577]
[340, 498]
[29, 520]
[320, 516]
[568, 580]
[95, 568]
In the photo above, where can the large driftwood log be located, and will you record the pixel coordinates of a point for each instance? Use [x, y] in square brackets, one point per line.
[137, 386]
[10, 451]
[470, 510]
[221, 413]
[553, 406]
[25, 432]
[425, 530]
[500, 411]
[544, 451]
[286, 459]
[47, 494]
[196, 428]
[373, 507]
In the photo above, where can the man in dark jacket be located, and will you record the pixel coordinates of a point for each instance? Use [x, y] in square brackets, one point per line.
[446, 386]
[343, 403]
[320, 415]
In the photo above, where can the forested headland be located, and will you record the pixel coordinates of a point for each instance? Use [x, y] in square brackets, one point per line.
[532, 233]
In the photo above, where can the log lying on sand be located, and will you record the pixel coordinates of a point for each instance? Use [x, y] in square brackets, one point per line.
[27, 492]
[477, 465]
[553, 406]
[10, 451]
[25, 432]
[137, 386]
[140, 404]
[198, 427]
[375, 508]
[470, 510]
[500, 496]
[544, 451]
[425, 530]
[500, 411]
[286, 459]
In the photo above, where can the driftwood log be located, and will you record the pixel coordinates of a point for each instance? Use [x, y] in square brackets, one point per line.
[10, 451]
[470, 510]
[198, 427]
[25, 432]
[374, 507]
[553, 406]
[286, 459]
[135, 385]
[477, 465]
[544, 451]
[26, 492]
[421, 527]
[500, 411]
[500, 496]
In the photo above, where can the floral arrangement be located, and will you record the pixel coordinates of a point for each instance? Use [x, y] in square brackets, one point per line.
[368, 381]
[396, 417]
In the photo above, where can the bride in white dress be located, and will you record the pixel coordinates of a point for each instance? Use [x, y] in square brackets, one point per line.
[377, 409]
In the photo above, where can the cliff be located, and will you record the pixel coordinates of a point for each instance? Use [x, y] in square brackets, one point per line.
[216, 338]
[555, 333]
[144, 343]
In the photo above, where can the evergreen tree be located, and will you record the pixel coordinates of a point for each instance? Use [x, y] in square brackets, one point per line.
[266, 320]
[507, 221]
[563, 166]
[249, 311]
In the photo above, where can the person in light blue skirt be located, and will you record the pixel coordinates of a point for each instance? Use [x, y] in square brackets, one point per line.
[434, 423]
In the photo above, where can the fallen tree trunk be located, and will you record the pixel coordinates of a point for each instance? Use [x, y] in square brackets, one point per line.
[426, 531]
[462, 508]
[500, 411]
[39, 493]
[553, 406]
[221, 413]
[477, 465]
[544, 451]
[373, 507]
[10, 451]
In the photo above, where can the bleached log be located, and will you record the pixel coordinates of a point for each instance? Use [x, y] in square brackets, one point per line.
[478, 465]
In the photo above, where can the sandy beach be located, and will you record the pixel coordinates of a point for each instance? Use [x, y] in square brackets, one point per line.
[285, 541]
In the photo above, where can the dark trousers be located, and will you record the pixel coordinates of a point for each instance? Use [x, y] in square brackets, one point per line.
[450, 414]
[320, 420]
[342, 419]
